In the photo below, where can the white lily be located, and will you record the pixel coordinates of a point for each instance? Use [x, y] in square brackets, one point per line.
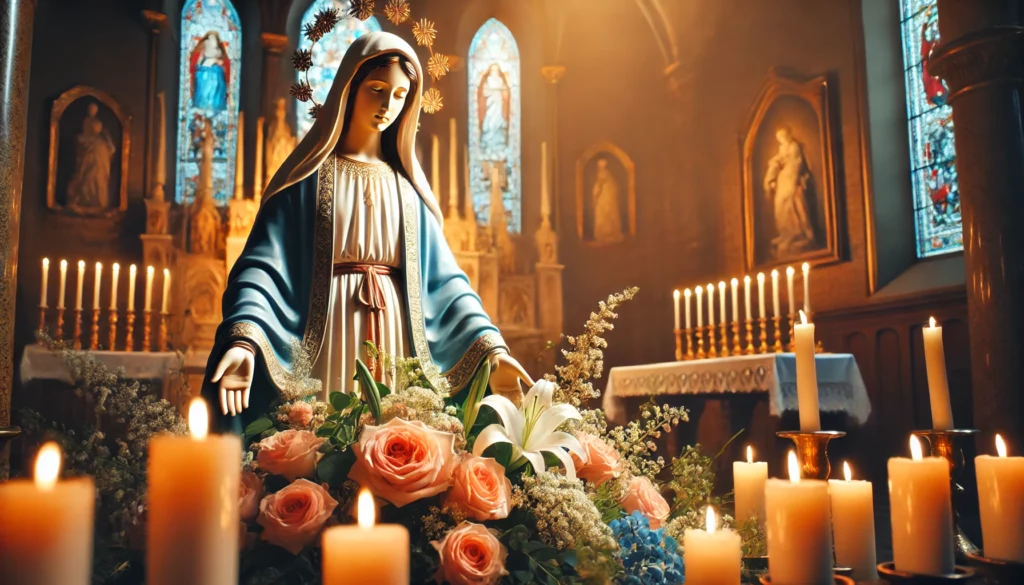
[531, 429]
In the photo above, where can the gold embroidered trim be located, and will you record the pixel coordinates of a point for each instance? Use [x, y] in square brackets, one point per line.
[288, 386]
[413, 290]
[366, 170]
[323, 260]
[462, 372]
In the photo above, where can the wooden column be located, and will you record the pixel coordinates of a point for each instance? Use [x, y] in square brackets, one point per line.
[981, 59]
[154, 21]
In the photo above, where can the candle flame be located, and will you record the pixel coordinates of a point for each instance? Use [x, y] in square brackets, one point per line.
[735, 282]
[116, 267]
[1000, 445]
[794, 467]
[846, 471]
[790, 271]
[149, 270]
[746, 279]
[46, 263]
[916, 453]
[81, 265]
[803, 317]
[711, 288]
[47, 466]
[687, 293]
[710, 521]
[775, 273]
[63, 264]
[750, 454]
[365, 509]
[931, 322]
[198, 419]
[760, 277]
[99, 266]
[806, 268]
[721, 285]
[675, 294]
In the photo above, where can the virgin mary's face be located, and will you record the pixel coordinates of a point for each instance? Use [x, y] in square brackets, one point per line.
[380, 98]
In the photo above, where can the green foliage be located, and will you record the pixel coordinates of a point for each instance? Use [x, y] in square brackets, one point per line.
[371, 395]
[606, 499]
[532, 561]
[477, 388]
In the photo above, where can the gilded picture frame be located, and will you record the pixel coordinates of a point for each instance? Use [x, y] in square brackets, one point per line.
[605, 195]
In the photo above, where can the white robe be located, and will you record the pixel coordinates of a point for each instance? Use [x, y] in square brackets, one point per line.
[367, 229]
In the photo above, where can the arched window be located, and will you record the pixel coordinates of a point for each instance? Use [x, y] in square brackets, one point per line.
[495, 132]
[932, 154]
[210, 64]
[327, 53]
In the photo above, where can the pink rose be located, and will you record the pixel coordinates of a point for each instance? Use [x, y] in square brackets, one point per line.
[403, 461]
[293, 517]
[470, 555]
[300, 413]
[250, 493]
[291, 453]
[600, 462]
[480, 488]
[642, 496]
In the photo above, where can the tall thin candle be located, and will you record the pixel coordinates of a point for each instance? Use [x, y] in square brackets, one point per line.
[806, 376]
[775, 293]
[258, 179]
[453, 168]
[938, 384]
[46, 279]
[760, 295]
[721, 303]
[132, 275]
[735, 300]
[545, 194]
[807, 288]
[79, 285]
[711, 305]
[148, 305]
[675, 307]
[115, 271]
[63, 283]
[686, 304]
[165, 299]
[96, 287]
[789, 289]
[746, 296]
[435, 164]
[700, 316]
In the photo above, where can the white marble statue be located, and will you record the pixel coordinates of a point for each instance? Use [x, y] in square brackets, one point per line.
[607, 210]
[89, 188]
[788, 184]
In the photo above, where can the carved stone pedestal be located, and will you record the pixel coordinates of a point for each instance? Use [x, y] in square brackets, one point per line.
[157, 250]
[550, 318]
[200, 288]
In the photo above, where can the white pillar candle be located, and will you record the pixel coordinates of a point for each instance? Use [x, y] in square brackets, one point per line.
[700, 315]
[435, 165]
[922, 517]
[748, 479]
[799, 529]
[711, 557]
[721, 303]
[115, 271]
[735, 300]
[165, 299]
[132, 275]
[1001, 498]
[675, 309]
[938, 385]
[789, 289]
[46, 526]
[80, 285]
[192, 531]
[686, 305]
[806, 375]
[760, 295]
[711, 305]
[775, 293]
[148, 305]
[96, 287]
[853, 525]
[46, 280]
[746, 296]
[807, 288]
[63, 283]
[365, 554]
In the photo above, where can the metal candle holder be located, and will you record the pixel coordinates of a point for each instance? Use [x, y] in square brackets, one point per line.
[700, 343]
[736, 348]
[812, 451]
[679, 343]
[1000, 572]
[146, 329]
[778, 334]
[78, 329]
[59, 333]
[94, 337]
[837, 579]
[129, 331]
[112, 319]
[724, 339]
[791, 347]
[943, 444]
[762, 323]
[712, 344]
[42, 320]
[750, 338]
[161, 337]
[890, 574]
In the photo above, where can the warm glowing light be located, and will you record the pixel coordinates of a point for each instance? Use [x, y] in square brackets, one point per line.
[806, 268]
[931, 322]
[198, 419]
[775, 273]
[710, 522]
[794, 468]
[63, 264]
[750, 454]
[916, 453]
[149, 270]
[760, 277]
[803, 318]
[47, 466]
[46, 263]
[81, 265]
[1000, 446]
[687, 293]
[721, 286]
[99, 266]
[734, 282]
[790, 271]
[711, 289]
[675, 294]
[365, 509]
[746, 279]
[846, 471]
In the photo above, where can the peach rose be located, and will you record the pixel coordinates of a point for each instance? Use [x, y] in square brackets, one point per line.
[642, 496]
[600, 462]
[403, 461]
[250, 493]
[480, 488]
[291, 453]
[293, 517]
[470, 555]
[300, 413]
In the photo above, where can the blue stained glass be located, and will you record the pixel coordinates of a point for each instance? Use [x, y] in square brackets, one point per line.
[327, 54]
[495, 132]
[210, 66]
[936, 191]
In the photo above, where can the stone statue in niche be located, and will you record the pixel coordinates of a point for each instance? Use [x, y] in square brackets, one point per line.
[788, 183]
[605, 195]
[606, 205]
[89, 187]
[280, 139]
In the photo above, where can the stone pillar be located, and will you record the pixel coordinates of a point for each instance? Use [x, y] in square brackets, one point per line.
[981, 59]
[16, 19]
[271, 84]
[155, 22]
[552, 75]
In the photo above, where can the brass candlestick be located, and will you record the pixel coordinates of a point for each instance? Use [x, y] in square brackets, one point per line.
[943, 444]
[129, 331]
[679, 344]
[778, 334]
[78, 329]
[59, 333]
[42, 321]
[750, 338]
[712, 346]
[1001, 572]
[700, 343]
[724, 340]
[162, 332]
[762, 323]
[792, 335]
[736, 348]
[94, 338]
[146, 330]
[812, 451]
[689, 344]
[890, 574]
[112, 319]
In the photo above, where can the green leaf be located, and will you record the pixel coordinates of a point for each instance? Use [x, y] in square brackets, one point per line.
[477, 388]
[370, 394]
[333, 468]
[382, 389]
[340, 401]
[258, 426]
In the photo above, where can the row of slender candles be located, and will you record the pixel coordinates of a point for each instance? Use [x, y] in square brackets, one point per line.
[699, 291]
[192, 532]
[97, 284]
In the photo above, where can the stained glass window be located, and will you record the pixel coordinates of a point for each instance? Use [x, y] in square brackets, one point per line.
[327, 53]
[934, 180]
[495, 140]
[211, 51]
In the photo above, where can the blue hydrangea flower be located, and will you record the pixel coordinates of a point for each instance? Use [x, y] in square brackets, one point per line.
[649, 556]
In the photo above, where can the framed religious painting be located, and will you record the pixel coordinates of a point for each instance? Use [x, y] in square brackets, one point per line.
[605, 195]
[789, 177]
[87, 173]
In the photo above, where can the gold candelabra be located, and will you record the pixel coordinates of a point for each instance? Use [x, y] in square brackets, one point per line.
[689, 344]
[129, 331]
[700, 343]
[679, 344]
[146, 330]
[750, 338]
[736, 348]
[762, 324]
[792, 337]
[724, 340]
[812, 451]
[712, 344]
[776, 320]
[59, 333]
[162, 332]
[78, 329]
[94, 338]
[112, 318]
[42, 319]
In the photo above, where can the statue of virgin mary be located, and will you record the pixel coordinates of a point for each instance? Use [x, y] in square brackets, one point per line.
[347, 248]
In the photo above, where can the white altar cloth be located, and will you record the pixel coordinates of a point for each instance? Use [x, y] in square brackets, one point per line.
[39, 363]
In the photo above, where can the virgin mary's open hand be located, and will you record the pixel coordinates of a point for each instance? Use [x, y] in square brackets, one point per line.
[506, 373]
[234, 375]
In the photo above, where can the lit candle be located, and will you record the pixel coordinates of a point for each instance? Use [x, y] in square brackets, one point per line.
[240, 158]
[789, 289]
[853, 525]
[453, 168]
[746, 296]
[192, 526]
[760, 294]
[799, 529]
[807, 288]
[748, 487]
[46, 280]
[1001, 497]
[686, 304]
[63, 283]
[115, 271]
[711, 557]
[775, 293]
[545, 193]
[735, 300]
[675, 305]
[366, 554]
[938, 385]
[258, 179]
[922, 517]
[721, 302]
[46, 525]
[131, 287]
[96, 287]
[711, 305]
[700, 315]
[80, 285]
[149, 289]
[806, 375]
[435, 164]
[164, 300]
